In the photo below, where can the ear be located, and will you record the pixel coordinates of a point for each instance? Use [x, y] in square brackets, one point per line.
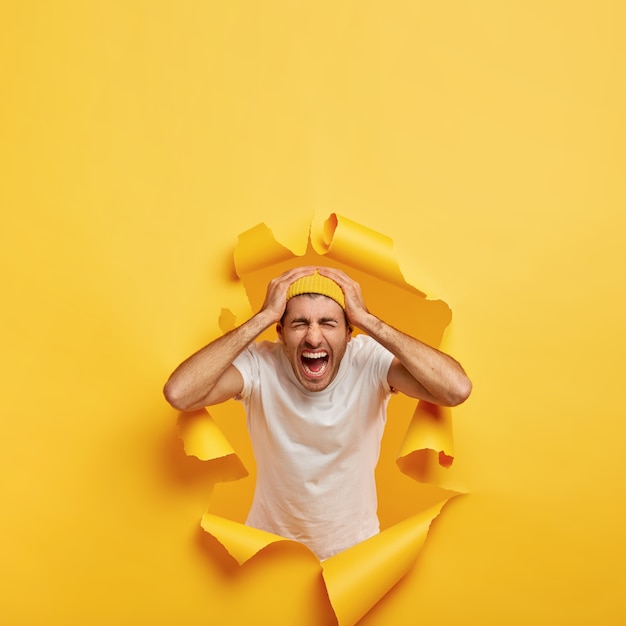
[279, 331]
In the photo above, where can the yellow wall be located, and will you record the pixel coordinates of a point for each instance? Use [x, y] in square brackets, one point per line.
[140, 138]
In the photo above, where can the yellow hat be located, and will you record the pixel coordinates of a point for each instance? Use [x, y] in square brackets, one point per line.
[316, 283]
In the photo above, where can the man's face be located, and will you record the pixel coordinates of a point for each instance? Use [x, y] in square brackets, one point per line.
[314, 335]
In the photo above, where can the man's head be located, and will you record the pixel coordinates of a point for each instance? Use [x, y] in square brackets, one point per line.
[314, 330]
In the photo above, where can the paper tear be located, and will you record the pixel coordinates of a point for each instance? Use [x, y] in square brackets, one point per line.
[361, 248]
[251, 257]
[359, 577]
[243, 542]
[431, 427]
[203, 439]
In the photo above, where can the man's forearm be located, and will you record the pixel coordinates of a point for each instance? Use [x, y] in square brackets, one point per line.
[204, 378]
[442, 378]
[192, 381]
[418, 370]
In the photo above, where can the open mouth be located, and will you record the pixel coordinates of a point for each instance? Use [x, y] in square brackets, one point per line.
[314, 364]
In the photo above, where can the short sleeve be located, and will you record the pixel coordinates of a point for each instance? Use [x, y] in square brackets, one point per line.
[248, 367]
[371, 357]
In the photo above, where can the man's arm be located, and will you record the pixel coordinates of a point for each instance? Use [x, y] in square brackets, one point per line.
[208, 376]
[417, 370]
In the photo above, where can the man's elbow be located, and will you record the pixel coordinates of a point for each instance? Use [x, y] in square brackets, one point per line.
[461, 392]
[175, 396]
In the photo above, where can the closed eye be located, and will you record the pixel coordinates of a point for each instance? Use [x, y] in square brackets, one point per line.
[326, 322]
[298, 323]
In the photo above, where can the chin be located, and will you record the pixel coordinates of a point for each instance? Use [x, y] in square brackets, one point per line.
[314, 384]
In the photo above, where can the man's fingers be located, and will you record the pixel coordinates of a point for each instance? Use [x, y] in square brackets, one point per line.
[346, 283]
[294, 273]
[287, 278]
[276, 295]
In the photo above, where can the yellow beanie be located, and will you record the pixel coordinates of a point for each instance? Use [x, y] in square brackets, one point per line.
[316, 283]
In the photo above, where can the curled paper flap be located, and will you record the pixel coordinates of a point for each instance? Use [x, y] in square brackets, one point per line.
[359, 247]
[202, 436]
[430, 428]
[359, 577]
[242, 542]
[426, 452]
[203, 439]
[338, 239]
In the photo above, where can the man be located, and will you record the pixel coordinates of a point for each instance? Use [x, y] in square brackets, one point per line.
[316, 402]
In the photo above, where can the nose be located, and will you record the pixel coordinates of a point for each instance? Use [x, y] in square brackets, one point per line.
[314, 335]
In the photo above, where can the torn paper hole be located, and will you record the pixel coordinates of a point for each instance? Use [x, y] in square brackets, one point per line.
[359, 577]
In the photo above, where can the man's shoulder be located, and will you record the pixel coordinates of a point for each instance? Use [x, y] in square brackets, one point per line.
[364, 344]
[262, 351]
[364, 351]
[366, 362]
[256, 360]
[257, 350]
[264, 347]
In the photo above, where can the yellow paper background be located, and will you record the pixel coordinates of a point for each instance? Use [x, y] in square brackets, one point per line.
[139, 139]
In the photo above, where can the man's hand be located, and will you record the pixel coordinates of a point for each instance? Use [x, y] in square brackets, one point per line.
[355, 303]
[276, 295]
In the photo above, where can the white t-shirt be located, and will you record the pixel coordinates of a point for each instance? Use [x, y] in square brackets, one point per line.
[316, 452]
